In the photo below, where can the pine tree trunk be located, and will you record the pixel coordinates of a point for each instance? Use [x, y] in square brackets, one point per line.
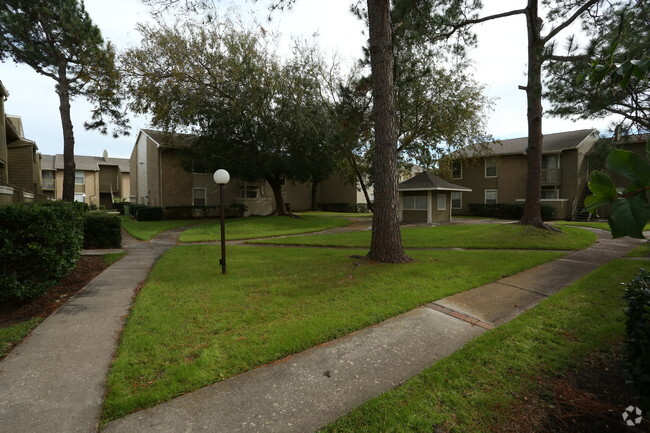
[276, 187]
[386, 242]
[532, 212]
[68, 135]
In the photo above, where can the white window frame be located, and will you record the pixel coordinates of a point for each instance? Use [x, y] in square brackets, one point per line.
[460, 168]
[496, 167]
[490, 191]
[76, 172]
[205, 196]
[442, 201]
[414, 202]
[556, 191]
[244, 189]
[460, 199]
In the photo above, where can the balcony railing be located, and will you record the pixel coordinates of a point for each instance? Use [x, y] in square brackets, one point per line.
[551, 176]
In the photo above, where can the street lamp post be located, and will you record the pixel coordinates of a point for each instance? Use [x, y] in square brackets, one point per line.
[221, 177]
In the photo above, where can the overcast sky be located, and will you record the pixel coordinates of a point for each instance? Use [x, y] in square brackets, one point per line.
[500, 63]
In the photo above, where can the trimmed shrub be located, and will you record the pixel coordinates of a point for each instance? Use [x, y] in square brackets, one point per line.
[512, 211]
[148, 213]
[337, 207]
[102, 230]
[637, 335]
[41, 243]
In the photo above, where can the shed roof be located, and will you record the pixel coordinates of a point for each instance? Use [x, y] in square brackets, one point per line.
[426, 181]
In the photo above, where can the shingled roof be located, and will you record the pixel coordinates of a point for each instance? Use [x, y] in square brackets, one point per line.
[85, 163]
[551, 143]
[426, 181]
[167, 139]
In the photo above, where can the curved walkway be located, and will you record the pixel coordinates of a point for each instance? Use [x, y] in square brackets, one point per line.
[54, 380]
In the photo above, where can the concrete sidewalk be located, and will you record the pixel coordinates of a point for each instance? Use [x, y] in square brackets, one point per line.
[307, 391]
[54, 380]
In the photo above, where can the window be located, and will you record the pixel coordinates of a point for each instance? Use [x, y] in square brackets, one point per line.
[198, 196]
[78, 177]
[415, 203]
[456, 169]
[456, 200]
[249, 191]
[79, 198]
[490, 196]
[48, 179]
[490, 167]
[550, 194]
[550, 169]
[442, 201]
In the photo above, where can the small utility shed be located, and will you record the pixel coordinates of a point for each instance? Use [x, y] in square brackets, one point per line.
[426, 198]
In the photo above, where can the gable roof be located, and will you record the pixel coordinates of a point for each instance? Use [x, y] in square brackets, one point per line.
[84, 163]
[170, 139]
[426, 181]
[551, 143]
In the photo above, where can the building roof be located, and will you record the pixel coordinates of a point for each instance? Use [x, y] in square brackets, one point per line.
[85, 163]
[551, 143]
[170, 139]
[426, 181]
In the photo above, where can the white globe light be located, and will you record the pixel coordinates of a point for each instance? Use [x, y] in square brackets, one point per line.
[221, 177]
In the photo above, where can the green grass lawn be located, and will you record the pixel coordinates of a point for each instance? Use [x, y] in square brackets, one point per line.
[481, 387]
[640, 251]
[496, 236]
[338, 214]
[191, 326]
[258, 227]
[145, 230]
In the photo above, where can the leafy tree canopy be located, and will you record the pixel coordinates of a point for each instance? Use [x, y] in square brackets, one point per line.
[256, 116]
[616, 60]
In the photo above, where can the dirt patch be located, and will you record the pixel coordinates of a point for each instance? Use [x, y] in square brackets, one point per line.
[86, 270]
[590, 399]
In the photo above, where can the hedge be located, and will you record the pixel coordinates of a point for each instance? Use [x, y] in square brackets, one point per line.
[512, 211]
[147, 213]
[637, 335]
[40, 243]
[102, 230]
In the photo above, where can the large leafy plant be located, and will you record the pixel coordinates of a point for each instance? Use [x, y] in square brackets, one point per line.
[629, 208]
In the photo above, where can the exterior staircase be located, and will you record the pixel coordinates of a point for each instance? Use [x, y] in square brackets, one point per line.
[579, 213]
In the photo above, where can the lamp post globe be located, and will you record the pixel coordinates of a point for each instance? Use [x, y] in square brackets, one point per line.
[221, 177]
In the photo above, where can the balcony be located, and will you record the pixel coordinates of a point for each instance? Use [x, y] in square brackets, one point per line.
[551, 176]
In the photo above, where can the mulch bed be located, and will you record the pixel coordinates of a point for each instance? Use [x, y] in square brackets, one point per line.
[87, 268]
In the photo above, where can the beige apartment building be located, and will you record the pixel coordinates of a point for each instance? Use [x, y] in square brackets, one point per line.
[20, 173]
[98, 180]
[162, 175]
[500, 175]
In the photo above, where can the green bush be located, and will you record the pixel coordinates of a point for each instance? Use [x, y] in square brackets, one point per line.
[148, 213]
[102, 230]
[40, 243]
[637, 335]
[337, 207]
[512, 211]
